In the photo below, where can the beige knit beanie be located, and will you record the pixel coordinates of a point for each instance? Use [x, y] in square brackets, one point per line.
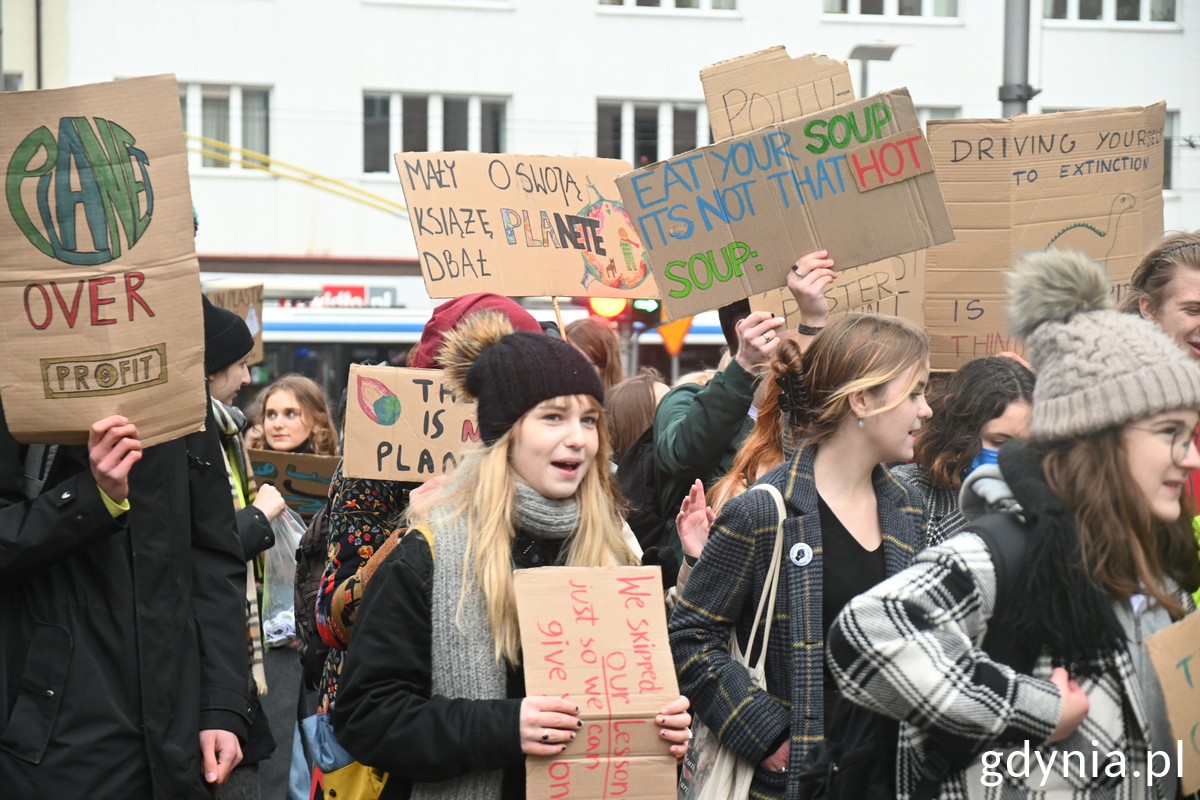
[1096, 367]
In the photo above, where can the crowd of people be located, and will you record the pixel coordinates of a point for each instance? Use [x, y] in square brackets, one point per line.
[133, 656]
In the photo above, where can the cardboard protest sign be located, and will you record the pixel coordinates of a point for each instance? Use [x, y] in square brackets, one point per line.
[761, 89]
[1083, 180]
[302, 478]
[727, 221]
[598, 637]
[1175, 653]
[894, 287]
[247, 303]
[98, 268]
[404, 424]
[522, 225]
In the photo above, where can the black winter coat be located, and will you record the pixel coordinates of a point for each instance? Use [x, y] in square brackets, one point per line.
[119, 639]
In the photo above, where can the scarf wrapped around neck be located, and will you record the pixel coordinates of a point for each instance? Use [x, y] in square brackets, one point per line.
[1057, 607]
[463, 650]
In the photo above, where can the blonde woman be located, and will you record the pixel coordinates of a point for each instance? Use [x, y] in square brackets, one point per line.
[433, 690]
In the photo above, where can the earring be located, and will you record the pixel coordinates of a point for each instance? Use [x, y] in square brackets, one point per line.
[860, 424]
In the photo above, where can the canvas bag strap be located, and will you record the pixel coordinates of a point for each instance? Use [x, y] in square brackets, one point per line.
[770, 586]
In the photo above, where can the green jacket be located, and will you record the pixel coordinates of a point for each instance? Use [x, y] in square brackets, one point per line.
[697, 433]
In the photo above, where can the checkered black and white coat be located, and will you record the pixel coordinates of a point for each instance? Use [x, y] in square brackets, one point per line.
[911, 648]
[722, 595]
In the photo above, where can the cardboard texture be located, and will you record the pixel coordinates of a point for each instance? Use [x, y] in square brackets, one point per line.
[522, 225]
[1084, 180]
[765, 88]
[404, 424]
[598, 636]
[98, 267]
[302, 478]
[894, 287]
[727, 221]
[1175, 653]
[247, 303]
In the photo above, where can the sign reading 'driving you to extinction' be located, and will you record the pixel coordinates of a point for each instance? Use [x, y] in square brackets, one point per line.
[404, 424]
[598, 637]
[98, 271]
[522, 225]
[729, 220]
[1080, 180]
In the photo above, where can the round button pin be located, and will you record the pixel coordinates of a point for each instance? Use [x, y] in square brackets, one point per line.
[801, 554]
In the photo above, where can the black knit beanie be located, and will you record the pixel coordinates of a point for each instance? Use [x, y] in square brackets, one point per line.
[524, 369]
[226, 338]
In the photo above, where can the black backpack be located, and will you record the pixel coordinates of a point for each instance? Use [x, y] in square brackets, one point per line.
[857, 760]
[311, 555]
[636, 474]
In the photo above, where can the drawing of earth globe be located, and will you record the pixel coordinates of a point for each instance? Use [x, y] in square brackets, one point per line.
[623, 266]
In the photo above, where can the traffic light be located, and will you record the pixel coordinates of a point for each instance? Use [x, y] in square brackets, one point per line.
[613, 308]
[646, 313]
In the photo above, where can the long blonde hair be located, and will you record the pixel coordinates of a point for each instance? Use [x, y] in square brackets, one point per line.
[483, 493]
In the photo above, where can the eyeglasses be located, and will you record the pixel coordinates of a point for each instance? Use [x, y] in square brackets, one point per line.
[1182, 439]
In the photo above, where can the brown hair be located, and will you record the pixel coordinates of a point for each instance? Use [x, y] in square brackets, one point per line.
[600, 344]
[323, 438]
[1123, 548]
[855, 353]
[629, 408]
[972, 396]
[1153, 276]
[762, 450]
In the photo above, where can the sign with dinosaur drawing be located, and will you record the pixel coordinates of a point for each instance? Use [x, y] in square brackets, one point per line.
[1082, 180]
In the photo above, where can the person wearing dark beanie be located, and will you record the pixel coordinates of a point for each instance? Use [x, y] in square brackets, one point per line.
[433, 689]
[226, 340]
[227, 345]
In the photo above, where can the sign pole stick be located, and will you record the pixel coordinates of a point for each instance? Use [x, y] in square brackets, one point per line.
[562, 329]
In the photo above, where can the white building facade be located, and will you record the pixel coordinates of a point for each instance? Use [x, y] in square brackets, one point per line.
[335, 87]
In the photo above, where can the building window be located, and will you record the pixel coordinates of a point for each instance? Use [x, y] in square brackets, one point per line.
[414, 124]
[893, 8]
[214, 116]
[1110, 10]
[491, 126]
[237, 117]
[454, 123]
[12, 81]
[690, 5]
[608, 130]
[376, 127]
[430, 122]
[256, 123]
[642, 133]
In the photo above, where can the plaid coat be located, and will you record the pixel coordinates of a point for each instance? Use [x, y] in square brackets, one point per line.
[911, 648]
[722, 595]
[941, 504]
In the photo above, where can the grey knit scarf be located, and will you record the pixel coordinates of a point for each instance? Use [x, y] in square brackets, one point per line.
[463, 650]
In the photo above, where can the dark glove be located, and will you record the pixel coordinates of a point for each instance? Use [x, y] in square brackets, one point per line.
[665, 558]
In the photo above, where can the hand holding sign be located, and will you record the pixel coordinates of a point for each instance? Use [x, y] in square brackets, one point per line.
[113, 449]
[758, 336]
[547, 724]
[807, 281]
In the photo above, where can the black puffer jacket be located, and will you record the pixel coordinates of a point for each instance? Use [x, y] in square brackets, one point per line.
[119, 639]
